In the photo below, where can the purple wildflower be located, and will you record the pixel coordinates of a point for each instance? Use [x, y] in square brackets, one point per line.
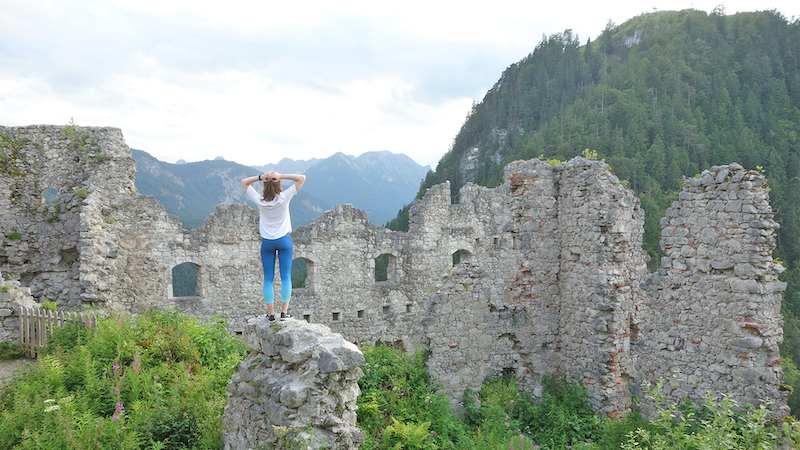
[137, 366]
[119, 410]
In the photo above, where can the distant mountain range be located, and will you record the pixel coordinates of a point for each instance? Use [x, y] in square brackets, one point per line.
[380, 183]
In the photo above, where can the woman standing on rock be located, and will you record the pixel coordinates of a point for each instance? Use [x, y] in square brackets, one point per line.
[274, 225]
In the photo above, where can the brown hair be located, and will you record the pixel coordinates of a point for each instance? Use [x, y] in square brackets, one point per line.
[271, 189]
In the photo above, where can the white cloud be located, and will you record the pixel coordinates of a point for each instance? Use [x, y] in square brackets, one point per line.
[258, 81]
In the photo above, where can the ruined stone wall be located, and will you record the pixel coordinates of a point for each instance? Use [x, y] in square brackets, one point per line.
[56, 245]
[601, 224]
[575, 266]
[552, 275]
[712, 310]
[100, 243]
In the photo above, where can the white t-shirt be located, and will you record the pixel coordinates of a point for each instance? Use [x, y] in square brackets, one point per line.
[273, 218]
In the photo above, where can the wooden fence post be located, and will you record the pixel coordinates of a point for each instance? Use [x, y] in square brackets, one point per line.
[37, 324]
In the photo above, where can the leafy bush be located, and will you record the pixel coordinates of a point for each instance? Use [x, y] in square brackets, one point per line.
[563, 417]
[614, 432]
[155, 382]
[50, 305]
[711, 424]
[399, 404]
[10, 351]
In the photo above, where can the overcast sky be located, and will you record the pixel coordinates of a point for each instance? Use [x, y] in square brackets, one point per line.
[257, 81]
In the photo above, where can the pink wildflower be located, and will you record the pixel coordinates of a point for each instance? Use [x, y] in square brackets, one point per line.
[119, 410]
[137, 366]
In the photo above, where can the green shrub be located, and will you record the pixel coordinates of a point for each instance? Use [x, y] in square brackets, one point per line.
[562, 418]
[10, 351]
[14, 236]
[50, 305]
[154, 382]
[614, 432]
[398, 398]
[713, 423]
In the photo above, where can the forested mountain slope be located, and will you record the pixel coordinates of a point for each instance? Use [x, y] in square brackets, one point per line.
[662, 96]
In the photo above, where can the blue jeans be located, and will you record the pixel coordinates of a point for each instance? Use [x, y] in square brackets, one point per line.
[283, 247]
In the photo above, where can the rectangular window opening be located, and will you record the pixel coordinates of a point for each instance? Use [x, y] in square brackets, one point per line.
[409, 308]
[387, 309]
[307, 317]
[361, 314]
[336, 316]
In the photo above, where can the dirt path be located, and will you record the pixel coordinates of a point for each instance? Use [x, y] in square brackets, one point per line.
[7, 368]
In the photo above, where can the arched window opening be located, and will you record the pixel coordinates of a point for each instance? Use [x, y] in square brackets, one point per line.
[184, 280]
[302, 271]
[460, 255]
[386, 268]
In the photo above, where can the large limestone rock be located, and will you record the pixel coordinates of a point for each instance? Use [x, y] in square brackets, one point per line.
[300, 384]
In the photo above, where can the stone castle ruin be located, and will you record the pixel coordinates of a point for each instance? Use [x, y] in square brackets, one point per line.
[551, 276]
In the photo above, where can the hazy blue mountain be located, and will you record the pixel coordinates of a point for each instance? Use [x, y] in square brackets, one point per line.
[191, 191]
[288, 165]
[378, 182]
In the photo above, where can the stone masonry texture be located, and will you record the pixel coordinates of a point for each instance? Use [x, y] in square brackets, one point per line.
[299, 385]
[550, 275]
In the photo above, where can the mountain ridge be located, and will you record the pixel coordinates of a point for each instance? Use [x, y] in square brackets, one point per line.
[192, 190]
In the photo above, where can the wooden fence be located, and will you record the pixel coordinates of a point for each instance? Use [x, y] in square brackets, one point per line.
[37, 324]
